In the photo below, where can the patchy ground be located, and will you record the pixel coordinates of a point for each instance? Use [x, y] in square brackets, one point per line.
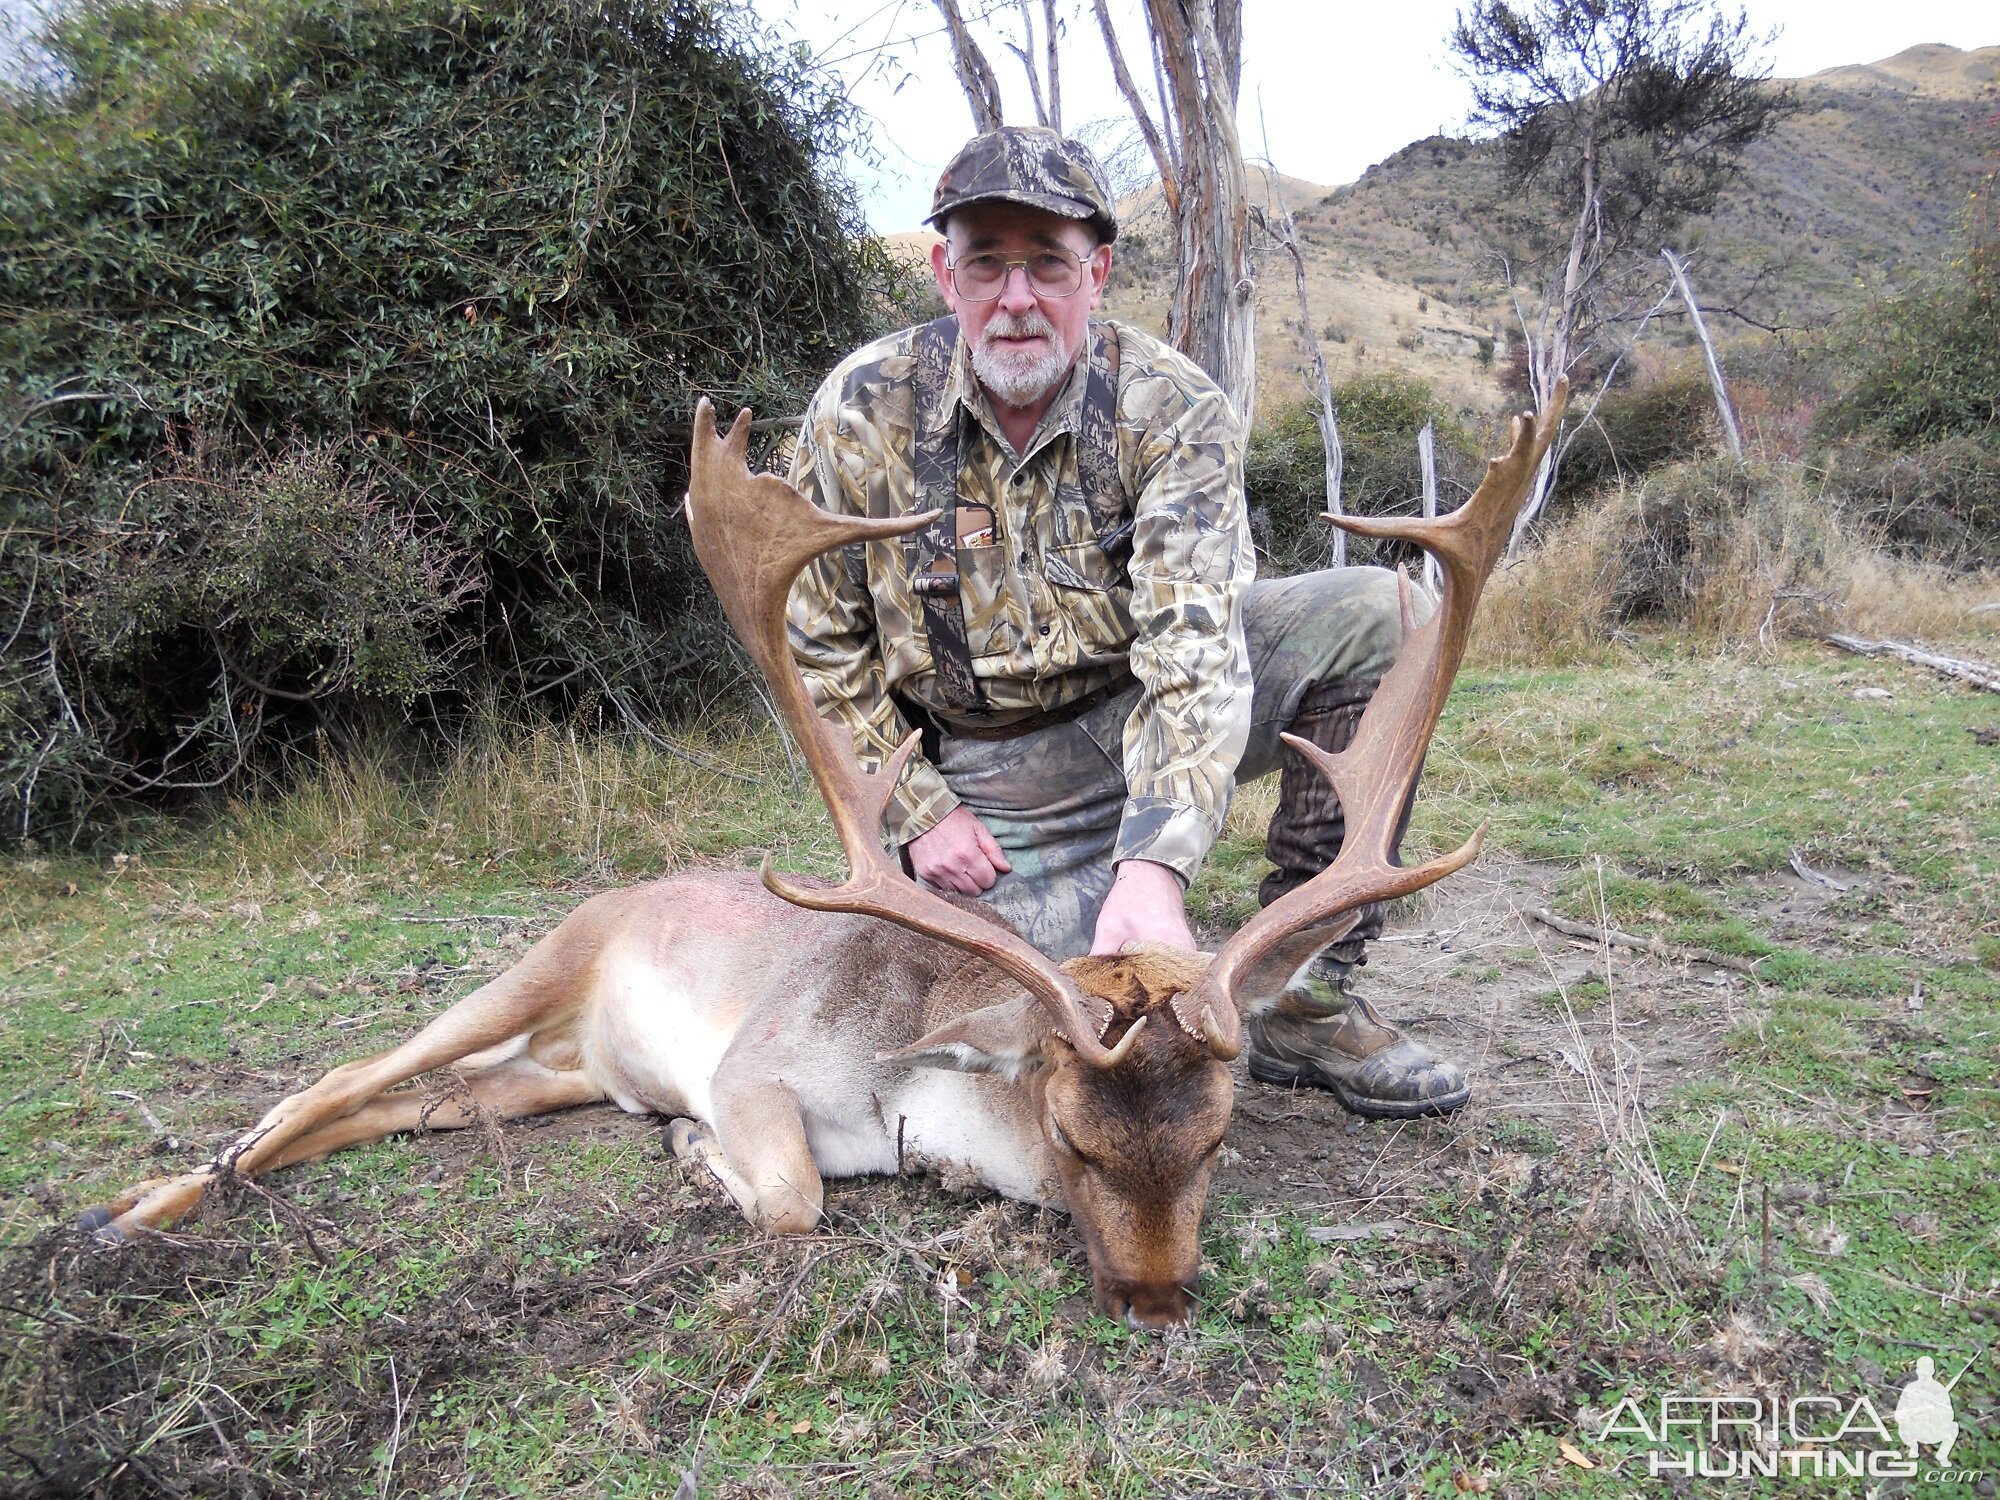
[1674, 1177]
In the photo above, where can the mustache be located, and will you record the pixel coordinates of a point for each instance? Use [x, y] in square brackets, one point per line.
[1017, 326]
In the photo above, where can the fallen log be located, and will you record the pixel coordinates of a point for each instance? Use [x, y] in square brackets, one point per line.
[1978, 673]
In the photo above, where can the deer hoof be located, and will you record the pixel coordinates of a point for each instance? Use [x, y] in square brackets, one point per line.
[686, 1138]
[101, 1224]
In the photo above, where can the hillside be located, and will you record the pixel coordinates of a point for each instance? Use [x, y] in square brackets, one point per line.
[1846, 199]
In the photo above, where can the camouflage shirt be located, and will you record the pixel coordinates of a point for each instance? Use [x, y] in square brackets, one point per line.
[1049, 615]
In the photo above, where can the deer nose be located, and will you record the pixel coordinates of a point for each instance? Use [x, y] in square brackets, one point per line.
[1148, 1309]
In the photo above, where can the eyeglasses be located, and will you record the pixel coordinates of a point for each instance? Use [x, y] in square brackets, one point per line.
[1051, 273]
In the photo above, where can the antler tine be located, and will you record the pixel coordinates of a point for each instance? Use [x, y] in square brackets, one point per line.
[754, 533]
[1377, 774]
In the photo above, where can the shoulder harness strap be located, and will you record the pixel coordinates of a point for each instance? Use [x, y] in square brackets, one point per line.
[1097, 447]
[935, 460]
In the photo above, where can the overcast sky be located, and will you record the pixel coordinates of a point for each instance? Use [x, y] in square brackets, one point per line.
[1340, 85]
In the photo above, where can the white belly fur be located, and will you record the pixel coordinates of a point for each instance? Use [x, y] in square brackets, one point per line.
[950, 1122]
[652, 1048]
[851, 1146]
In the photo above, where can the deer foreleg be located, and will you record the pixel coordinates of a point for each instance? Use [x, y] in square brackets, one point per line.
[758, 1152]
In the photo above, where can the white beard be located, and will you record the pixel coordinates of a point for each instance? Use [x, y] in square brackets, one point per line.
[1017, 377]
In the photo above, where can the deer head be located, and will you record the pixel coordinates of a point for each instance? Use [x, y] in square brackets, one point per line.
[1124, 1058]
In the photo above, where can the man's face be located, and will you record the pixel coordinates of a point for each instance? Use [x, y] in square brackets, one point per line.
[1023, 341]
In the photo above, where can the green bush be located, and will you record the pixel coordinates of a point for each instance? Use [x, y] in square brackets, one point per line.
[1930, 360]
[1637, 428]
[1940, 501]
[351, 351]
[1284, 469]
[1914, 443]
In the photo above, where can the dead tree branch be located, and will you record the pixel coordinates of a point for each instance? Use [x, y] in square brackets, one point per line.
[975, 74]
[1658, 947]
[1978, 673]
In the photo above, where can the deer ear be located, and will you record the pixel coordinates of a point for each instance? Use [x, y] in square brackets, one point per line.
[1007, 1039]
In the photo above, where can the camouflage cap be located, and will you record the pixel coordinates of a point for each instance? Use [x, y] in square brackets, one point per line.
[1027, 164]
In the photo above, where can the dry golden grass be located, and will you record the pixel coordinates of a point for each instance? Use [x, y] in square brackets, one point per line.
[543, 794]
[1723, 558]
[1913, 600]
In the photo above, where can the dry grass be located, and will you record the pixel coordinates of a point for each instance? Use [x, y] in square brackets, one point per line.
[541, 792]
[1914, 600]
[1722, 555]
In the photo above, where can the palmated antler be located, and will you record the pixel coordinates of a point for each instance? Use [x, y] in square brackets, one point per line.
[1376, 775]
[754, 534]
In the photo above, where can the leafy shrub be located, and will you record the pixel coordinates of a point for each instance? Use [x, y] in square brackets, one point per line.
[352, 351]
[1931, 359]
[1916, 439]
[1284, 470]
[1938, 501]
[1637, 428]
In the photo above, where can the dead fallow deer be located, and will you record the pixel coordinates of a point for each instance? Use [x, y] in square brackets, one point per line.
[795, 1030]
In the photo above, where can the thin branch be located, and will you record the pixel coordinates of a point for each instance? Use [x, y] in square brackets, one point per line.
[1170, 181]
[1051, 30]
[975, 74]
[1658, 947]
[1729, 428]
[1286, 233]
[1025, 51]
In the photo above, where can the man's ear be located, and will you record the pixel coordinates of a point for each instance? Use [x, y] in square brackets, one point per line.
[940, 261]
[1097, 270]
[1006, 1039]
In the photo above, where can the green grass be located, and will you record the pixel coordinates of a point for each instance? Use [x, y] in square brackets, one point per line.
[556, 1307]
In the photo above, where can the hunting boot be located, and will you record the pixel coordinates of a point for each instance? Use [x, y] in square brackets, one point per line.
[1319, 1032]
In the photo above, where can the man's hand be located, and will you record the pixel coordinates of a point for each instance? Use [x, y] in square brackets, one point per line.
[1145, 903]
[958, 854]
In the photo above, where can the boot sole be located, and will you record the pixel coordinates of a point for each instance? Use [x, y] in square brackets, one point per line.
[1360, 1104]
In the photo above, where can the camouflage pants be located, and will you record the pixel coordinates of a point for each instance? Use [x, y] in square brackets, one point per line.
[1053, 797]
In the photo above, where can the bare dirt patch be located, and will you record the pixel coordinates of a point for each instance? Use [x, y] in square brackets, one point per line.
[1485, 986]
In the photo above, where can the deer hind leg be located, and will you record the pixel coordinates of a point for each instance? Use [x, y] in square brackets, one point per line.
[540, 994]
[508, 1090]
[758, 1152]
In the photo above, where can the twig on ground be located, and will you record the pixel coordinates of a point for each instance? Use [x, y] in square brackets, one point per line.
[152, 1120]
[468, 919]
[1978, 673]
[1324, 1234]
[1811, 876]
[1658, 947]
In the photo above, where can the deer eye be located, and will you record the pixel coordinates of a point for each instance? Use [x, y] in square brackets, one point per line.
[1062, 1142]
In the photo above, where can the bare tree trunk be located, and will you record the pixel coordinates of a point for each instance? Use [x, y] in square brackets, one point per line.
[1427, 460]
[1050, 31]
[1729, 428]
[975, 74]
[1212, 318]
[1285, 231]
[1551, 361]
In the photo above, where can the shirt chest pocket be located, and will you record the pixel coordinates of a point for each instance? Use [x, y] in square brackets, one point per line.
[1094, 593]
